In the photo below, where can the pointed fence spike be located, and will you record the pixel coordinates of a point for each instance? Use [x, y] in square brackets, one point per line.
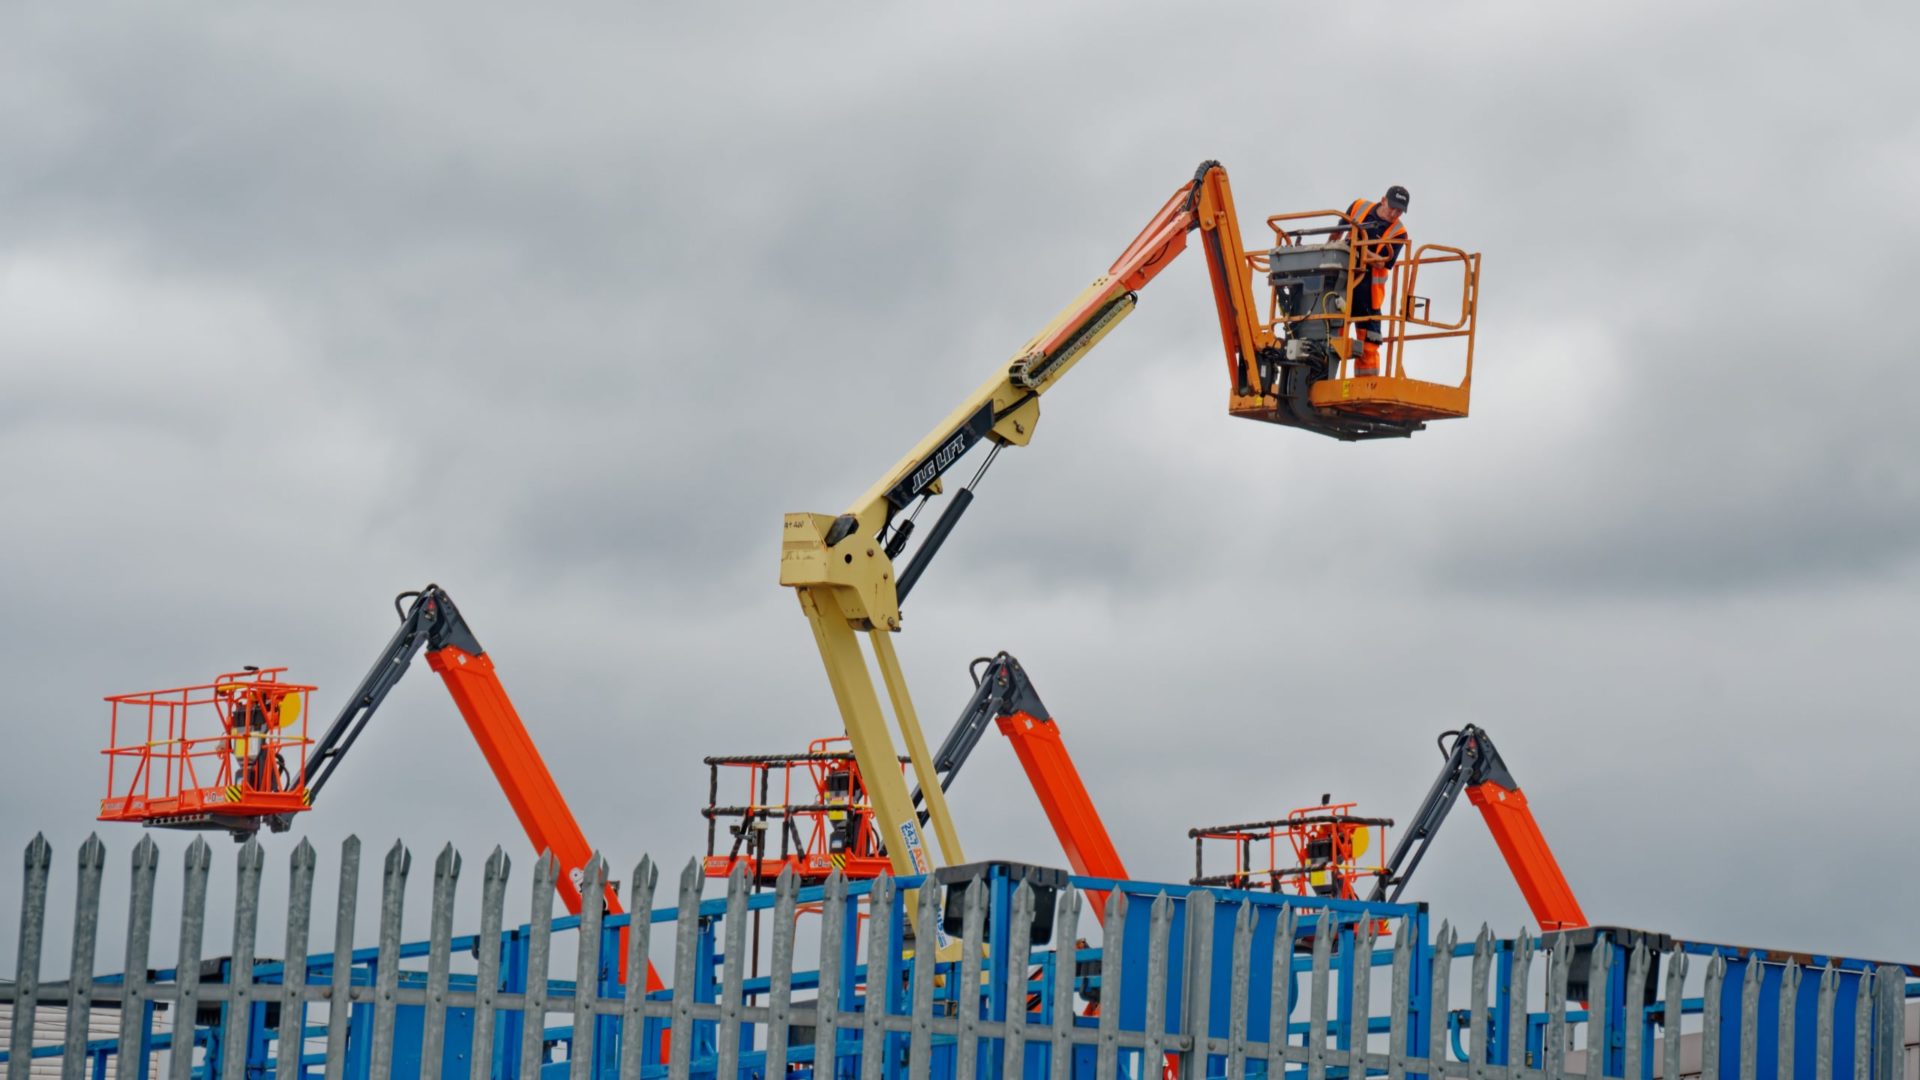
[633, 1043]
[881, 977]
[1400, 999]
[1672, 1010]
[1787, 997]
[1195, 1002]
[1749, 1061]
[1633, 1052]
[339, 1008]
[386, 974]
[1479, 974]
[546, 876]
[1159, 935]
[1320, 1003]
[294, 997]
[1066, 954]
[446, 880]
[246, 922]
[786, 891]
[833, 920]
[1239, 990]
[1710, 1025]
[587, 969]
[1824, 1005]
[973, 924]
[1280, 1006]
[92, 864]
[686, 944]
[193, 926]
[1443, 946]
[134, 993]
[1523, 952]
[33, 928]
[927, 931]
[733, 974]
[486, 981]
[1113, 958]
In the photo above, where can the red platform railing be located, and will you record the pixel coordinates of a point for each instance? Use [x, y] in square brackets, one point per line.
[228, 754]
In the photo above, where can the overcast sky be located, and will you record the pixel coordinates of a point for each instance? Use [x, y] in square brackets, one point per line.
[564, 309]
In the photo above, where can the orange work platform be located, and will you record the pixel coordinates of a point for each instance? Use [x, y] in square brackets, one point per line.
[1314, 270]
[228, 754]
[1313, 851]
[810, 813]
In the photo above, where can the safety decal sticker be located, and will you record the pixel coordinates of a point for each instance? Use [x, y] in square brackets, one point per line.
[915, 852]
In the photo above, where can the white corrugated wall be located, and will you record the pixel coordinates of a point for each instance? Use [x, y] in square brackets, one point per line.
[50, 1029]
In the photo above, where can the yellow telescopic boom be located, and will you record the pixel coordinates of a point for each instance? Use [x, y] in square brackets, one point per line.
[842, 566]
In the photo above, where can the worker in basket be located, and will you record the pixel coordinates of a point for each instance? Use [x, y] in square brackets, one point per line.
[1380, 240]
[252, 719]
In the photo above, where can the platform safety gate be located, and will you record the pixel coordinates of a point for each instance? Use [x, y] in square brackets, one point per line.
[1191, 985]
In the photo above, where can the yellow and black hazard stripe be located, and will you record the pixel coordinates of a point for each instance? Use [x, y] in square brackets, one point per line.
[233, 792]
[839, 861]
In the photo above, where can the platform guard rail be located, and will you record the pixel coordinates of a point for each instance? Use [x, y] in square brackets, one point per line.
[1192, 977]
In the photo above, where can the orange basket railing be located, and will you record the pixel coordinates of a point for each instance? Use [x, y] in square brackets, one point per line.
[209, 755]
[1313, 851]
[1405, 315]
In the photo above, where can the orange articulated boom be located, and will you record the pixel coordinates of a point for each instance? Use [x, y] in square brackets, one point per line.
[517, 764]
[1004, 694]
[1063, 796]
[1475, 767]
[1525, 848]
[433, 622]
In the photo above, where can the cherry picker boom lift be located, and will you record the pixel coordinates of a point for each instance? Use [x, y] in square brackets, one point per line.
[271, 796]
[1325, 843]
[1288, 363]
[828, 824]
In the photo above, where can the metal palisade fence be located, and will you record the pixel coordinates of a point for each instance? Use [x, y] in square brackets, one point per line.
[976, 971]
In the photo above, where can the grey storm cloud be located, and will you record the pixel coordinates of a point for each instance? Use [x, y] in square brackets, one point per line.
[299, 309]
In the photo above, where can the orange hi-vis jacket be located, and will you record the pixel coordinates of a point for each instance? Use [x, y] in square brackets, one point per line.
[1387, 246]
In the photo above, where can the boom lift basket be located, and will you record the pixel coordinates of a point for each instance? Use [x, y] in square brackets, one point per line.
[1313, 851]
[228, 754]
[1308, 332]
[811, 812]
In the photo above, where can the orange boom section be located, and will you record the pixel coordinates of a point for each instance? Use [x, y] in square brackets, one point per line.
[1474, 766]
[1064, 799]
[1004, 695]
[1525, 848]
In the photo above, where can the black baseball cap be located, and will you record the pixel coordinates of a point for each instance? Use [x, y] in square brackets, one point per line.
[1397, 197]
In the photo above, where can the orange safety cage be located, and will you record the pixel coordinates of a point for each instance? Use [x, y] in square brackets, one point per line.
[1313, 851]
[1447, 309]
[810, 812]
[229, 754]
